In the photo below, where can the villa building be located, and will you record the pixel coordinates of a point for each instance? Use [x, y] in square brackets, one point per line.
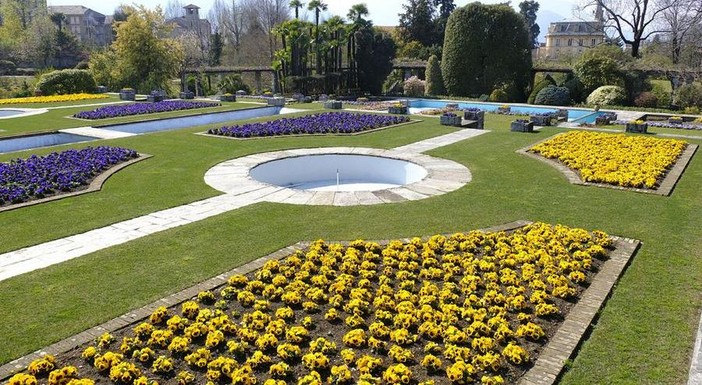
[191, 23]
[571, 37]
[88, 26]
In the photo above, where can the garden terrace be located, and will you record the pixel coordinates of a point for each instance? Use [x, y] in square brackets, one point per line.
[115, 111]
[652, 313]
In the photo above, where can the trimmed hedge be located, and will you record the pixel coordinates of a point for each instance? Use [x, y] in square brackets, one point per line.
[553, 96]
[434, 82]
[63, 82]
[485, 46]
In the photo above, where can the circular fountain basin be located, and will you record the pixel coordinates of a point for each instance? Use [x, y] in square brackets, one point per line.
[366, 176]
[338, 172]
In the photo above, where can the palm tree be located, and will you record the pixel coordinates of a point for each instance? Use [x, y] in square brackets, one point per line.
[334, 27]
[356, 17]
[297, 4]
[318, 6]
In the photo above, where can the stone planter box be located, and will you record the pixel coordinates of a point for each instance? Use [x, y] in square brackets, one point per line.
[187, 95]
[637, 128]
[154, 98]
[452, 106]
[602, 121]
[276, 101]
[541, 120]
[504, 110]
[228, 98]
[397, 110]
[675, 120]
[450, 121]
[521, 126]
[101, 89]
[241, 93]
[127, 95]
[478, 116]
[332, 105]
[562, 114]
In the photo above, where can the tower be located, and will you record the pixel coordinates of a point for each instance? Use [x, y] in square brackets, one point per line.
[599, 12]
[192, 12]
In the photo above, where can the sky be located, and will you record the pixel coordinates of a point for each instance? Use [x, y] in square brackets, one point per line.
[382, 12]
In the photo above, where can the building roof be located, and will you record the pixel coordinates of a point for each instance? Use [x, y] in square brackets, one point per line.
[191, 6]
[577, 27]
[68, 9]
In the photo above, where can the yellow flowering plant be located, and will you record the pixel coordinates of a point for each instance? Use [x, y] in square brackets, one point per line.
[53, 98]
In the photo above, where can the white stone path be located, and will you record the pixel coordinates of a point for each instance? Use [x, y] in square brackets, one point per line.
[49, 253]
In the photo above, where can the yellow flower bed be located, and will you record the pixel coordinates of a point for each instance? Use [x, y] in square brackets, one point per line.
[53, 98]
[622, 160]
[459, 309]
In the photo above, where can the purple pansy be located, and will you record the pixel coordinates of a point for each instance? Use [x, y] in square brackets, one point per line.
[141, 108]
[322, 123]
[39, 176]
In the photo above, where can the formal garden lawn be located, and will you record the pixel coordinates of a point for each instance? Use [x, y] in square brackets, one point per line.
[644, 334]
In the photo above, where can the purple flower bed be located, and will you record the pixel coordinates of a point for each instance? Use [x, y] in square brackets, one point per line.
[39, 176]
[683, 126]
[323, 123]
[141, 108]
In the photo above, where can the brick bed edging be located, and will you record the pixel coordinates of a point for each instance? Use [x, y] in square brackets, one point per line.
[665, 189]
[545, 371]
[563, 345]
[95, 185]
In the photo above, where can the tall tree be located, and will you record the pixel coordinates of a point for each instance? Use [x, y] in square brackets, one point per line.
[445, 8]
[678, 20]
[139, 57]
[528, 9]
[317, 6]
[417, 22]
[356, 16]
[375, 51]
[633, 20]
[174, 9]
[297, 4]
[216, 46]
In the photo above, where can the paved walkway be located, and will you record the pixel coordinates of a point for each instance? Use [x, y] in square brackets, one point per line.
[46, 254]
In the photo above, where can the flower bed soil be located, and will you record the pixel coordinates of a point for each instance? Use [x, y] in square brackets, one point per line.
[473, 295]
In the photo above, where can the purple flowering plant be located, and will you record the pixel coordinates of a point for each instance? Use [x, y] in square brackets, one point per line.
[39, 176]
[321, 123]
[141, 108]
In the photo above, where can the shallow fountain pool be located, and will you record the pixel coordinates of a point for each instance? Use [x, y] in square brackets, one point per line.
[338, 172]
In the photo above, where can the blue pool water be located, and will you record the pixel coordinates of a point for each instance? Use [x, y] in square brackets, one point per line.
[7, 113]
[191, 121]
[56, 138]
[41, 140]
[576, 115]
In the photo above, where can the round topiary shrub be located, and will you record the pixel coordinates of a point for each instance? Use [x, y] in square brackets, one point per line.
[607, 96]
[553, 96]
[545, 82]
[499, 95]
[646, 99]
[414, 86]
[64, 82]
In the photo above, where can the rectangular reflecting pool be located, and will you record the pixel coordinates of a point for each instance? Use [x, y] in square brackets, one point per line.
[192, 120]
[577, 115]
[40, 140]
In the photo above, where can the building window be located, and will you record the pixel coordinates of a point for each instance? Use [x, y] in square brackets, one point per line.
[580, 42]
[570, 42]
[558, 42]
[594, 42]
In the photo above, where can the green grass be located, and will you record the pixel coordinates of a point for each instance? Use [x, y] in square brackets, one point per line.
[644, 335]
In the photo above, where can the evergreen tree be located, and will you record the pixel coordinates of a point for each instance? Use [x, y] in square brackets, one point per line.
[528, 9]
[417, 23]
